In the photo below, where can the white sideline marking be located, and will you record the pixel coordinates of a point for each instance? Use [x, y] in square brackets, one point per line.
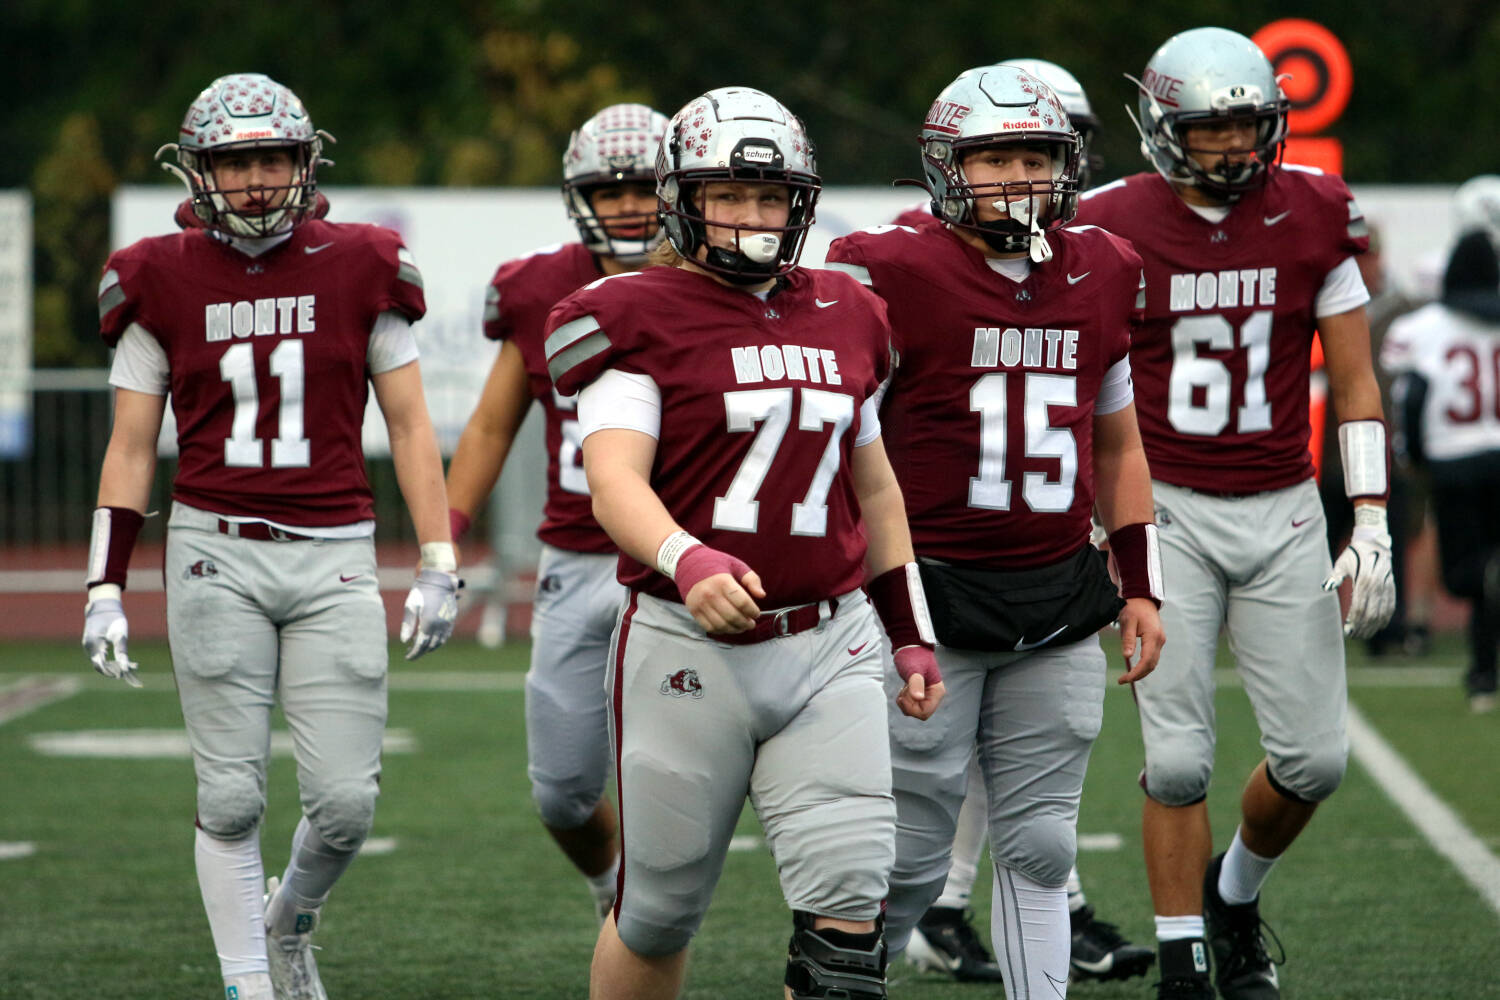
[1100, 842]
[143, 744]
[744, 842]
[378, 845]
[13, 849]
[1442, 827]
[27, 694]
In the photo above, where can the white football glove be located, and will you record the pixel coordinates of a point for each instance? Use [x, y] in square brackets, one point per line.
[431, 608]
[104, 626]
[1367, 561]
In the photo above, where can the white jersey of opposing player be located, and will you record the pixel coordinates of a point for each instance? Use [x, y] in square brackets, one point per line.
[1459, 357]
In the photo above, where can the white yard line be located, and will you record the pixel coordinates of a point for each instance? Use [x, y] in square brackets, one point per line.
[29, 693]
[1433, 817]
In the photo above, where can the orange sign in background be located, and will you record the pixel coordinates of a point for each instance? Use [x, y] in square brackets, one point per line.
[1317, 78]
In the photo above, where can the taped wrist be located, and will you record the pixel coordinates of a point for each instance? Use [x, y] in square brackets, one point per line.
[458, 524]
[1371, 524]
[439, 556]
[671, 550]
[901, 604]
[111, 541]
[1137, 554]
[1366, 460]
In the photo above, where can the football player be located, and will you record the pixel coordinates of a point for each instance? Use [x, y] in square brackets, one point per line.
[733, 453]
[944, 940]
[1244, 259]
[1446, 359]
[268, 327]
[609, 190]
[1009, 418]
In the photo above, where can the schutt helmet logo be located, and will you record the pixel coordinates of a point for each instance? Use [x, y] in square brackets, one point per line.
[203, 569]
[683, 682]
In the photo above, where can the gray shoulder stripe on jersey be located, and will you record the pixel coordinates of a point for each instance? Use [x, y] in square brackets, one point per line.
[595, 342]
[1358, 228]
[110, 299]
[491, 312]
[1103, 188]
[111, 277]
[409, 274]
[569, 333]
[1301, 168]
[858, 273]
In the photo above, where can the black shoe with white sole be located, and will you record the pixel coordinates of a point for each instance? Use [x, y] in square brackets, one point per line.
[944, 941]
[1101, 952]
[1244, 969]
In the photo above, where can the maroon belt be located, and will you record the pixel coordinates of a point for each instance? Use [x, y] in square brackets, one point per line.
[788, 621]
[259, 531]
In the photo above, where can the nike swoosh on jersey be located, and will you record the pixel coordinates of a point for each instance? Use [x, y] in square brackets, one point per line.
[321, 246]
[1297, 524]
[1271, 220]
[824, 305]
[1022, 645]
[346, 579]
[858, 649]
[1073, 281]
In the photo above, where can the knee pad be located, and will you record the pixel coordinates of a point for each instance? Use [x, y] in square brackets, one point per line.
[230, 805]
[1310, 778]
[1043, 850]
[343, 814]
[1177, 776]
[568, 804]
[835, 964]
[650, 939]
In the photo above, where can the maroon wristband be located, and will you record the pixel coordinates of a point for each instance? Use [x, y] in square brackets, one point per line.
[1137, 556]
[458, 524]
[892, 594]
[110, 545]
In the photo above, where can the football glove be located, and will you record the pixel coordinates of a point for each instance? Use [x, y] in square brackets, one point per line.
[430, 610]
[1367, 561]
[104, 626]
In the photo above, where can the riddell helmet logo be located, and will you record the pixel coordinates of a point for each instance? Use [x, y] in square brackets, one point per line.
[260, 133]
[683, 682]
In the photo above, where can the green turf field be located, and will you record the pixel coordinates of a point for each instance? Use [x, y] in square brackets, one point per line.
[471, 900]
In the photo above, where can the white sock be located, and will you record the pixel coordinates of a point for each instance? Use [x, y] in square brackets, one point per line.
[1030, 932]
[250, 986]
[1178, 928]
[312, 869]
[603, 885]
[1074, 885]
[968, 842]
[1243, 873]
[232, 882]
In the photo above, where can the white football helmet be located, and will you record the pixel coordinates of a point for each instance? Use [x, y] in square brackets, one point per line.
[1476, 205]
[994, 106]
[1076, 103]
[1208, 75]
[247, 111]
[616, 146]
[745, 135]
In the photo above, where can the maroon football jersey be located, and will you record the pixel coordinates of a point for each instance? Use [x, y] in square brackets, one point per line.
[267, 356]
[760, 411]
[1221, 366]
[521, 294]
[989, 419]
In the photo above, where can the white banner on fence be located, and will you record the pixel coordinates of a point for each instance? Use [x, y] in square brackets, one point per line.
[15, 324]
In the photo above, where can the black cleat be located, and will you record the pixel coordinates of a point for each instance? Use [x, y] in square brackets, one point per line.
[1246, 970]
[1100, 952]
[1184, 971]
[944, 941]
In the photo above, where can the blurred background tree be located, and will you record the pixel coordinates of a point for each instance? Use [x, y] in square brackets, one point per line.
[474, 93]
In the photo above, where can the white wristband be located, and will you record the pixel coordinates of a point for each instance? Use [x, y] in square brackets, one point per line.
[440, 556]
[103, 592]
[671, 551]
[1362, 447]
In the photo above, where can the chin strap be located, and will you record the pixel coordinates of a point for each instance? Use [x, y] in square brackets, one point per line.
[1037, 247]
